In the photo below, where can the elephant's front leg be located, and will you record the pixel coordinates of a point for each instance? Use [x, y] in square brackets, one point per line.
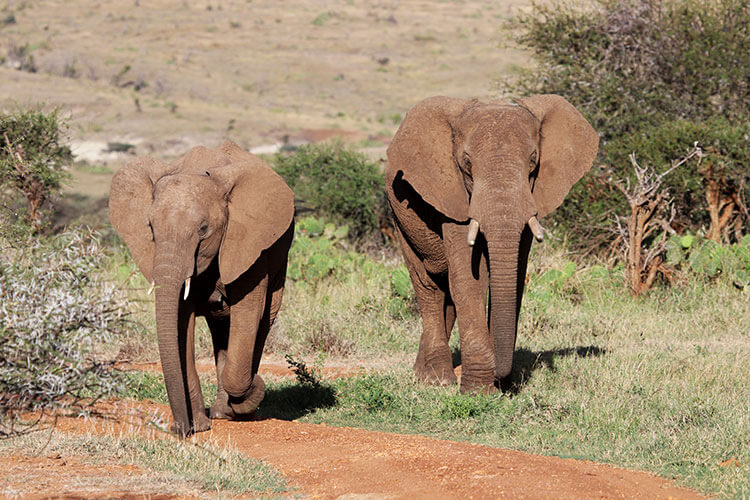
[245, 389]
[468, 280]
[201, 422]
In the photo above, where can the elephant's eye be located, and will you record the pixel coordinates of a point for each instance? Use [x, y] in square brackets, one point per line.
[532, 161]
[203, 229]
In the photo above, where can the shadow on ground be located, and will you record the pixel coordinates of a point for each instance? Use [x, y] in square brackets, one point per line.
[526, 362]
[290, 402]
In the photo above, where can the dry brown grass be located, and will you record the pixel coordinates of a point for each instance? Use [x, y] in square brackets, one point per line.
[253, 70]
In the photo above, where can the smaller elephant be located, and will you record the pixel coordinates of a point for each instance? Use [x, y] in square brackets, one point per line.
[467, 182]
[211, 231]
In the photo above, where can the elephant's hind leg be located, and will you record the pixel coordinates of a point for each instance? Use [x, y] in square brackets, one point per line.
[434, 363]
[220, 335]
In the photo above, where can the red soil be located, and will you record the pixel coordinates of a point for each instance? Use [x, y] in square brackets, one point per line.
[330, 462]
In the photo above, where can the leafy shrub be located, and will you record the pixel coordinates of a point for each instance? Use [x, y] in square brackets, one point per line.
[705, 257]
[338, 183]
[652, 76]
[370, 392]
[33, 157]
[55, 310]
[318, 250]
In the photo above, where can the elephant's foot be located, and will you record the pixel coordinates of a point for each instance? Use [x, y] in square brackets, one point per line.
[201, 422]
[477, 382]
[220, 409]
[437, 370]
[244, 406]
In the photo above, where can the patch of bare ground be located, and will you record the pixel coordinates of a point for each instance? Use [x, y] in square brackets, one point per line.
[329, 462]
[69, 477]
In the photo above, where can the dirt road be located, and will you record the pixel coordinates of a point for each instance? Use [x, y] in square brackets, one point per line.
[331, 462]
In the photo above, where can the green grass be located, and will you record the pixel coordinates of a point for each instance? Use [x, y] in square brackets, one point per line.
[174, 464]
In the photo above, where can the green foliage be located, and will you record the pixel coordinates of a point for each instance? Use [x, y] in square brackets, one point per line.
[726, 147]
[56, 309]
[631, 64]
[652, 77]
[370, 393]
[337, 183]
[33, 157]
[705, 257]
[320, 250]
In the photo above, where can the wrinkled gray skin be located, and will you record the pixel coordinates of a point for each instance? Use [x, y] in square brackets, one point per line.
[212, 232]
[457, 164]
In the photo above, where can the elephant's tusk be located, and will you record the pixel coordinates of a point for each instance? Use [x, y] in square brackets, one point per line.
[473, 230]
[187, 289]
[151, 288]
[536, 228]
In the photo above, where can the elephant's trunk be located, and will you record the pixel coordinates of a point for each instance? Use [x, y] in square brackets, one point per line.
[172, 340]
[503, 249]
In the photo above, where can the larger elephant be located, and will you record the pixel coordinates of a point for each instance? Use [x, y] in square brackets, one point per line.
[467, 182]
[211, 231]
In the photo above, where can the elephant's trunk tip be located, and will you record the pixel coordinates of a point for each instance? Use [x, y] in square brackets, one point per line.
[473, 231]
[536, 228]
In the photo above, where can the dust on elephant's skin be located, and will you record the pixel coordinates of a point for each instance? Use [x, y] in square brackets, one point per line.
[467, 182]
[212, 231]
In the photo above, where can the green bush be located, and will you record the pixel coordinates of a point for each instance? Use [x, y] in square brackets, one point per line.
[33, 157]
[707, 258]
[652, 76]
[338, 183]
[56, 311]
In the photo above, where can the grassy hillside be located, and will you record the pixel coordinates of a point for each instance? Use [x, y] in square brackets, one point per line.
[251, 70]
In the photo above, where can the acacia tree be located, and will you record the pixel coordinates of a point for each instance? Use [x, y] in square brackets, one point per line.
[33, 157]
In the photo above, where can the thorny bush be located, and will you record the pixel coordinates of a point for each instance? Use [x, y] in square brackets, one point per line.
[55, 309]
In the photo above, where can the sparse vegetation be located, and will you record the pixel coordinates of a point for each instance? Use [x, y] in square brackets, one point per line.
[171, 465]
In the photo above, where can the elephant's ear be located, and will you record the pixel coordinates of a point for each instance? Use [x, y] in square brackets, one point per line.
[422, 150]
[260, 209]
[568, 147]
[130, 198]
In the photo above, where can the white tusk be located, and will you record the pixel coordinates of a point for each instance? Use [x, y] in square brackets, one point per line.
[187, 289]
[473, 230]
[151, 288]
[536, 228]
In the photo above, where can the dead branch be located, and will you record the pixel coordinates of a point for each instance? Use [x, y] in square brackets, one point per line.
[651, 211]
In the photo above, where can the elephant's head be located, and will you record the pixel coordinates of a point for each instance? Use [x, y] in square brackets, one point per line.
[497, 167]
[220, 207]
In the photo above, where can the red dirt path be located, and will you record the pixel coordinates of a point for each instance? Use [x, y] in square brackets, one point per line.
[330, 462]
